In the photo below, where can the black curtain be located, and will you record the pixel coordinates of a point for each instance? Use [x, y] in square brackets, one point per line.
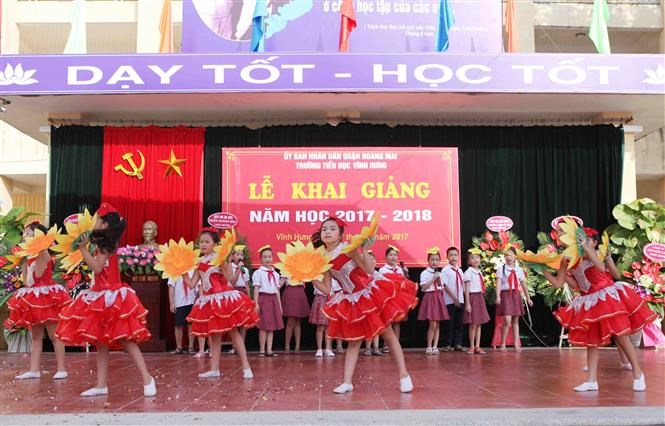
[531, 174]
[76, 170]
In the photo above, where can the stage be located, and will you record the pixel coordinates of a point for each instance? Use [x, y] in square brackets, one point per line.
[533, 379]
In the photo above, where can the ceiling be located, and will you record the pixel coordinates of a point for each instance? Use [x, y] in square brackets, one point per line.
[29, 113]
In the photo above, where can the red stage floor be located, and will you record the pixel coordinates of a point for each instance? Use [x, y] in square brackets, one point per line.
[538, 378]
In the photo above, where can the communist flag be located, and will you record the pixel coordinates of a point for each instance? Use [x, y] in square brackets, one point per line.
[347, 25]
[155, 173]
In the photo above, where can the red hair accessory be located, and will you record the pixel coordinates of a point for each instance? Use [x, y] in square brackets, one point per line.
[105, 208]
[210, 229]
[338, 221]
[590, 232]
[36, 222]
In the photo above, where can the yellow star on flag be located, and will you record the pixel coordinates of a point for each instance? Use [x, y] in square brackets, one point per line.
[173, 164]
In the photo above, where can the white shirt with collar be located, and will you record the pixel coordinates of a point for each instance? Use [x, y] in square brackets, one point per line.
[261, 279]
[454, 280]
[182, 294]
[386, 269]
[243, 278]
[426, 276]
[472, 276]
[503, 272]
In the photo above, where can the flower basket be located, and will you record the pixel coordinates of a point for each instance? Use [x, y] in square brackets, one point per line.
[137, 261]
[18, 340]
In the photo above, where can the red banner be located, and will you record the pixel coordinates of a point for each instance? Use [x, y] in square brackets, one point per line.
[154, 173]
[282, 195]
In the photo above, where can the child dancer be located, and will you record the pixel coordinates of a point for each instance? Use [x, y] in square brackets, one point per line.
[109, 314]
[365, 307]
[181, 301]
[475, 310]
[509, 278]
[240, 280]
[220, 308]
[433, 308]
[604, 310]
[268, 303]
[36, 306]
[296, 306]
[453, 294]
[391, 267]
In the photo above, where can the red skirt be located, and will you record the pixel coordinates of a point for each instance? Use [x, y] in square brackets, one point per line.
[270, 312]
[433, 307]
[105, 317]
[364, 314]
[316, 315]
[511, 304]
[30, 306]
[592, 319]
[294, 302]
[478, 313]
[221, 312]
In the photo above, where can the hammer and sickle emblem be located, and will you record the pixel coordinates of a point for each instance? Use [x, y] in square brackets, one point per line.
[136, 170]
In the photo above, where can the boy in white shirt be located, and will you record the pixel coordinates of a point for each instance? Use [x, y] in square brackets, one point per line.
[181, 300]
[453, 286]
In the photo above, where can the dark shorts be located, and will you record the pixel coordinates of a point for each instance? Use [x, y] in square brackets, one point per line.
[181, 314]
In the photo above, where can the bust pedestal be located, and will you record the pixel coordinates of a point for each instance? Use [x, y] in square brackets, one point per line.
[148, 289]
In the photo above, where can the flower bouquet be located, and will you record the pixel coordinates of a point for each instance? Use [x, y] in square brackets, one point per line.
[648, 279]
[135, 260]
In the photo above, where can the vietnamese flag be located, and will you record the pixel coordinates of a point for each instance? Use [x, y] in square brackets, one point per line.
[347, 25]
[173, 201]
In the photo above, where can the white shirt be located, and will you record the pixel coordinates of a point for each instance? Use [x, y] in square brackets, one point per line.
[261, 279]
[243, 278]
[182, 294]
[452, 278]
[426, 276]
[503, 278]
[385, 269]
[472, 276]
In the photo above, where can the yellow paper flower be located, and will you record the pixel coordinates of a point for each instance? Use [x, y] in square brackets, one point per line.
[542, 257]
[604, 245]
[33, 246]
[569, 229]
[366, 233]
[433, 250]
[175, 259]
[225, 248]
[71, 256]
[13, 260]
[303, 263]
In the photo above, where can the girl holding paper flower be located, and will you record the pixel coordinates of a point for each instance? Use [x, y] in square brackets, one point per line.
[220, 308]
[367, 306]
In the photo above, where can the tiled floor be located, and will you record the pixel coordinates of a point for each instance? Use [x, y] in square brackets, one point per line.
[538, 378]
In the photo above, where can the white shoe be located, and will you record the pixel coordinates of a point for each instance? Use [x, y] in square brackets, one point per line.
[319, 353]
[329, 353]
[585, 368]
[586, 387]
[405, 384]
[28, 375]
[428, 351]
[435, 351]
[247, 373]
[150, 389]
[96, 391]
[60, 375]
[343, 388]
[639, 385]
[209, 374]
[626, 366]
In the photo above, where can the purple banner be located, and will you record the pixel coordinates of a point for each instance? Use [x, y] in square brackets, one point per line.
[392, 26]
[332, 72]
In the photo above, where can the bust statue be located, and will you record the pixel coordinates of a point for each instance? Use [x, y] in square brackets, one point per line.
[149, 235]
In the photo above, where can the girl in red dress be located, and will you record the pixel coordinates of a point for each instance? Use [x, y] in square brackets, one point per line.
[37, 305]
[109, 315]
[604, 310]
[366, 306]
[220, 308]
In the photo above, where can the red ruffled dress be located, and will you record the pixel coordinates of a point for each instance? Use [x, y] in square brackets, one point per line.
[106, 314]
[39, 302]
[367, 304]
[603, 309]
[220, 308]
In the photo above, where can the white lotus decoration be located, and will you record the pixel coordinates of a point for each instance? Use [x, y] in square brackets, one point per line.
[16, 75]
[656, 76]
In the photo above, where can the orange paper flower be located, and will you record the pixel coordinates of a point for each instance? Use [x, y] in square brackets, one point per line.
[225, 248]
[303, 263]
[33, 246]
[175, 259]
[366, 233]
[71, 256]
